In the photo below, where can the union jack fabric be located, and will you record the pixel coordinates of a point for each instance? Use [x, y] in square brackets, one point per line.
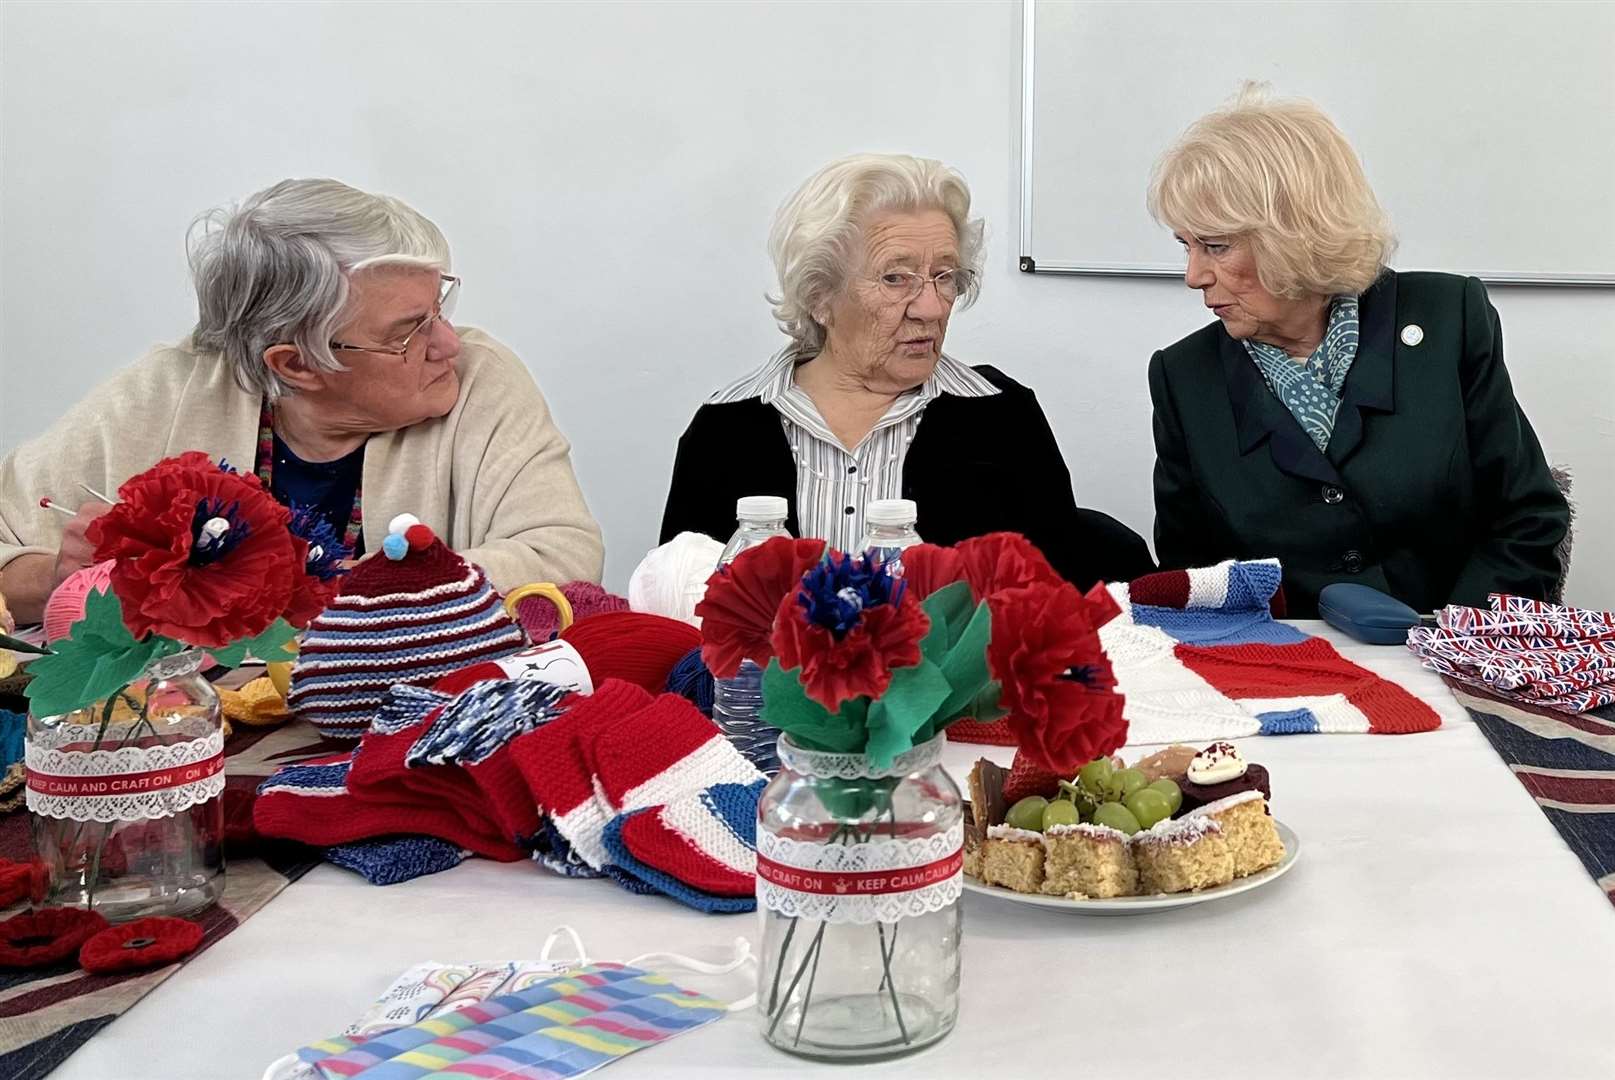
[1566, 762]
[1545, 654]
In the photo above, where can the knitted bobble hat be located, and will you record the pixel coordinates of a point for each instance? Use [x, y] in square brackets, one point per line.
[408, 615]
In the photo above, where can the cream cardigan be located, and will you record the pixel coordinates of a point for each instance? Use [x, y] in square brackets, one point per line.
[493, 478]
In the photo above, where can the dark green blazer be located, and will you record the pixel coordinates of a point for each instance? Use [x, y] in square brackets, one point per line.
[1433, 489]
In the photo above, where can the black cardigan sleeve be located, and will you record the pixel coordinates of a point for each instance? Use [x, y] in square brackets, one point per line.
[1519, 527]
[693, 500]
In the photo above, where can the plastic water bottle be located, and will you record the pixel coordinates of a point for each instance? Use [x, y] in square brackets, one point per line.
[888, 529]
[738, 700]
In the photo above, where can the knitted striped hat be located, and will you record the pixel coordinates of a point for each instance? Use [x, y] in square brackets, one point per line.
[408, 616]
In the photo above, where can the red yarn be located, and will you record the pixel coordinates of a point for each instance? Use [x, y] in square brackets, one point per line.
[631, 645]
[144, 943]
[14, 878]
[39, 938]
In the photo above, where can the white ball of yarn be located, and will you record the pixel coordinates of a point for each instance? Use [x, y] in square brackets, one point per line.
[672, 579]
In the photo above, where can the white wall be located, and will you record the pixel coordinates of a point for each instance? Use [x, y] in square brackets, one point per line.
[606, 174]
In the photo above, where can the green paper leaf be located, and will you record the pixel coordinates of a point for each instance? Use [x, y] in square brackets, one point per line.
[268, 646]
[786, 706]
[965, 665]
[97, 659]
[949, 609]
[907, 705]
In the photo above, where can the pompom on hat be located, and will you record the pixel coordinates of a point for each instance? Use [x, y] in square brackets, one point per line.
[409, 615]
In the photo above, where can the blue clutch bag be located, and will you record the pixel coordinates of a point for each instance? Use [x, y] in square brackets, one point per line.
[1366, 614]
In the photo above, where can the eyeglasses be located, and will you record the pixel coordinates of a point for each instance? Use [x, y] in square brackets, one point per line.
[448, 292]
[903, 286]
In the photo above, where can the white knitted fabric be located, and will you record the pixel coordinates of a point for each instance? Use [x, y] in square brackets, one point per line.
[1165, 701]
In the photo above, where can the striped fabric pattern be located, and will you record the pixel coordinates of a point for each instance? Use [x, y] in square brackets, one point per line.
[562, 1027]
[367, 642]
[833, 483]
[1311, 390]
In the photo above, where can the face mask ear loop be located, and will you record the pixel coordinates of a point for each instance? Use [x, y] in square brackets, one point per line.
[555, 937]
[741, 956]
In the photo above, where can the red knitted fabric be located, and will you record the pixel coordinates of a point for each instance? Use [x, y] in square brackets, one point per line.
[421, 569]
[551, 759]
[1308, 669]
[537, 615]
[631, 645]
[135, 946]
[47, 936]
[996, 733]
[14, 881]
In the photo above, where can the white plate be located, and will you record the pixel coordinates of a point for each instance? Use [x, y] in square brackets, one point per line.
[1138, 905]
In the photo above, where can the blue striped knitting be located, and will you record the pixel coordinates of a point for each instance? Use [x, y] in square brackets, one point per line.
[1243, 616]
[483, 718]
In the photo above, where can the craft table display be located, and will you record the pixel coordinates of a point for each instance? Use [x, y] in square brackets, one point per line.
[1435, 926]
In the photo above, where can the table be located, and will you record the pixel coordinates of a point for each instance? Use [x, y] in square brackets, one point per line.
[1435, 926]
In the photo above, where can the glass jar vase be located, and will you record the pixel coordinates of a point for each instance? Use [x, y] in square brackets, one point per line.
[859, 872]
[127, 797]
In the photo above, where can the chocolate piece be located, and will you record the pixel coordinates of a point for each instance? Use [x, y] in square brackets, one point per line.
[986, 796]
[1197, 795]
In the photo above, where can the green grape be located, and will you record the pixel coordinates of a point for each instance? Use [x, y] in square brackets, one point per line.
[1070, 792]
[1094, 774]
[1060, 812]
[1131, 780]
[1116, 816]
[1027, 814]
[1169, 788]
[1148, 806]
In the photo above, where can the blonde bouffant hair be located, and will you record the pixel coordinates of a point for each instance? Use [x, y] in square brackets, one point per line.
[1279, 175]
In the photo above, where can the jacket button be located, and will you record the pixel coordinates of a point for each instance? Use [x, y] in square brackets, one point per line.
[1333, 495]
[1353, 562]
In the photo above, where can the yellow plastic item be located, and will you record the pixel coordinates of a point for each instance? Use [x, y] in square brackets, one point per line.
[280, 674]
[549, 591]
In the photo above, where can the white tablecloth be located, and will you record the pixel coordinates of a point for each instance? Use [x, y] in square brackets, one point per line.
[1436, 925]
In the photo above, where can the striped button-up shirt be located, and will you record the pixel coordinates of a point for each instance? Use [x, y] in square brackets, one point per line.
[834, 483]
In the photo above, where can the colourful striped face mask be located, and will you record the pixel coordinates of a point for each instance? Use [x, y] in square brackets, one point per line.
[542, 1021]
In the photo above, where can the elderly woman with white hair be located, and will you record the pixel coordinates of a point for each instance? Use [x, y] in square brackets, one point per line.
[1354, 421]
[873, 254]
[324, 360]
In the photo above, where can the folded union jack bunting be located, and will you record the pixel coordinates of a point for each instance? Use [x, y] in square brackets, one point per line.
[1546, 654]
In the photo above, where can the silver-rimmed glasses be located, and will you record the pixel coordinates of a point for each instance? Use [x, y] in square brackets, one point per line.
[448, 293]
[902, 286]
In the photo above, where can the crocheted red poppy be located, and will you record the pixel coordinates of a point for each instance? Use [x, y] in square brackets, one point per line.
[37, 938]
[144, 943]
[14, 878]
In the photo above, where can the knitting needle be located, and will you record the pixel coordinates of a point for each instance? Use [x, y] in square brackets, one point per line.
[58, 507]
[87, 489]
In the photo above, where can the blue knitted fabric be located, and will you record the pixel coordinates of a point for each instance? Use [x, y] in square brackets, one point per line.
[554, 852]
[13, 725]
[391, 859]
[484, 717]
[734, 806]
[1218, 626]
[691, 680]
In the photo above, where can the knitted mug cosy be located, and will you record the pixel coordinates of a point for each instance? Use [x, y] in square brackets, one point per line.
[407, 620]
[538, 615]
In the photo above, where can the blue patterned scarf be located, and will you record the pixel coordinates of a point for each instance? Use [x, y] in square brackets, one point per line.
[1311, 391]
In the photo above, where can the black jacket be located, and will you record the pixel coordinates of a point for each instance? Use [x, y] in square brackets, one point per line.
[977, 465]
[1434, 488]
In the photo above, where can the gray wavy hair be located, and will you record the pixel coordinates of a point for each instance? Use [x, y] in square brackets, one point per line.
[815, 241]
[274, 270]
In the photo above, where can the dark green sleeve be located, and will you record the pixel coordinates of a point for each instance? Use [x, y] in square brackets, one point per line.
[1181, 524]
[1522, 516]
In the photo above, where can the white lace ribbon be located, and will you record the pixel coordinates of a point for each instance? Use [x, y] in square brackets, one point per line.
[127, 783]
[881, 880]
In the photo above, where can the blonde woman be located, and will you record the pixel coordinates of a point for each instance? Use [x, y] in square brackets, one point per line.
[1354, 421]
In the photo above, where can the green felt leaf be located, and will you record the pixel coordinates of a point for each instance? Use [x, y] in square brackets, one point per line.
[268, 646]
[907, 706]
[786, 706]
[97, 659]
[965, 665]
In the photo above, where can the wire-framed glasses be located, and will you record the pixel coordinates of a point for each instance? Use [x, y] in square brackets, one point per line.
[448, 292]
[902, 286]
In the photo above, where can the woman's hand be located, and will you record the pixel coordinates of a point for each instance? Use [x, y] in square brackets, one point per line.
[76, 552]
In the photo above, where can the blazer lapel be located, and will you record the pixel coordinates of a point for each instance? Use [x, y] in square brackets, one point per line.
[1370, 385]
[1260, 417]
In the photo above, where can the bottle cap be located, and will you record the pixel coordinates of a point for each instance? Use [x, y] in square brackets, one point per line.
[761, 507]
[891, 512]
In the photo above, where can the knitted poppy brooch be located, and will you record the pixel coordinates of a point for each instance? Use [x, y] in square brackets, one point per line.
[144, 943]
[40, 938]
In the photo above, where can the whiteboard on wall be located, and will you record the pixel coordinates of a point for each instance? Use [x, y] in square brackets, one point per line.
[1458, 110]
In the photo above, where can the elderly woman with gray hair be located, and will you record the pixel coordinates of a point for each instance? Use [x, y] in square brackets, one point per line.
[324, 360]
[873, 254]
[1355, 421]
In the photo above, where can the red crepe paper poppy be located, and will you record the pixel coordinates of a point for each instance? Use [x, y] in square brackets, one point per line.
[48, 936]
[887, 636]
[173, 580]
[15, 881]
[928, 568]
[310, 594]
[144, 943]
[737, 612]
[1003, 560]
[1056, 681]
